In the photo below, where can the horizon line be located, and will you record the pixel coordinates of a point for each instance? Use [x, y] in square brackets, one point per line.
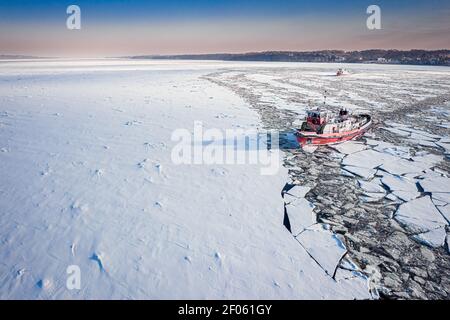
[221, 53]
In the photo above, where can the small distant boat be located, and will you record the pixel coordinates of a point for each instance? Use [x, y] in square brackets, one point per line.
[342, 72]
[321, 128]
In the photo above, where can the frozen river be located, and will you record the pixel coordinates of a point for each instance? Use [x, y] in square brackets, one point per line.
[88, 180]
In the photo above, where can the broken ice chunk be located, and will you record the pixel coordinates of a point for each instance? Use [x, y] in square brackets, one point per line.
[349, 147]
[397, 131]
[365, 173]
[372, 196]
[425, 160]
[346, 173]
[426, 143]
[406, 195]
[344, 274]
[348, 264]
[433, 238]
[420, 215]
[323, 246]
[367, 159]
[402, 166]
[395, 151]
[371, 186]
[298, 191]
[436, 184]
[398, 183]
[301, 215]
[420, 137]
[441, 196]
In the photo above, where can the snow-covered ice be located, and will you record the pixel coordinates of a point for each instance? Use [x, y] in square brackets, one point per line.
[433, 238]
[420, 215]
[323, 246]
[87, 180]
[301, 215]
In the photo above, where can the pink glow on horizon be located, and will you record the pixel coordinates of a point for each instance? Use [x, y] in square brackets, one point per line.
[223, 36]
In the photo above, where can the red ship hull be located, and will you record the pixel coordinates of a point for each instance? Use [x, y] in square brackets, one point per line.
[312, 138]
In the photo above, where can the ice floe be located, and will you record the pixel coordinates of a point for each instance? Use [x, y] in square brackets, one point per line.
[323, 246]
[365, 173]
[433, 238]
[373, 186]
[396, 131]
[399, 183]
[442, 197]
[298, 191]
[399, 167]
[300, 215]
[367, 159]
[436, 184]
[349, 147]
[420, 215]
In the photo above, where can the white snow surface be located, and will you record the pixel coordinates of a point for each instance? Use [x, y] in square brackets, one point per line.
[87, 180]
[420, 215]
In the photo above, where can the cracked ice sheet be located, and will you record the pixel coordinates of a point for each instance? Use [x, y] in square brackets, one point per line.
[420, 215]
[425, 143]
[398, 183]
[419, 137]
[426, 160]
[372, 196]
[403, 187]
[433, 238]
[388, 148]
[441, 197]
[367, 159]
[402, 166]
[301, 215]
[373, 186]
[406, 128]
[349, 147]
[221, 237]
[436, 184]
[397, 131]
[365, 173]
[345, 275]
[445, 211]
[296, 192]
[406, 195]
[323, 246]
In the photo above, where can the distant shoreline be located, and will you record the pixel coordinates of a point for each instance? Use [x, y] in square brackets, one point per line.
[375, 56]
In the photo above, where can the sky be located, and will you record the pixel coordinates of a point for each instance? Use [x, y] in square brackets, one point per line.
[120, 28]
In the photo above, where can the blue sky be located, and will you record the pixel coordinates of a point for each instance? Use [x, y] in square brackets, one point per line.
[191, 26]
[142, 9]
